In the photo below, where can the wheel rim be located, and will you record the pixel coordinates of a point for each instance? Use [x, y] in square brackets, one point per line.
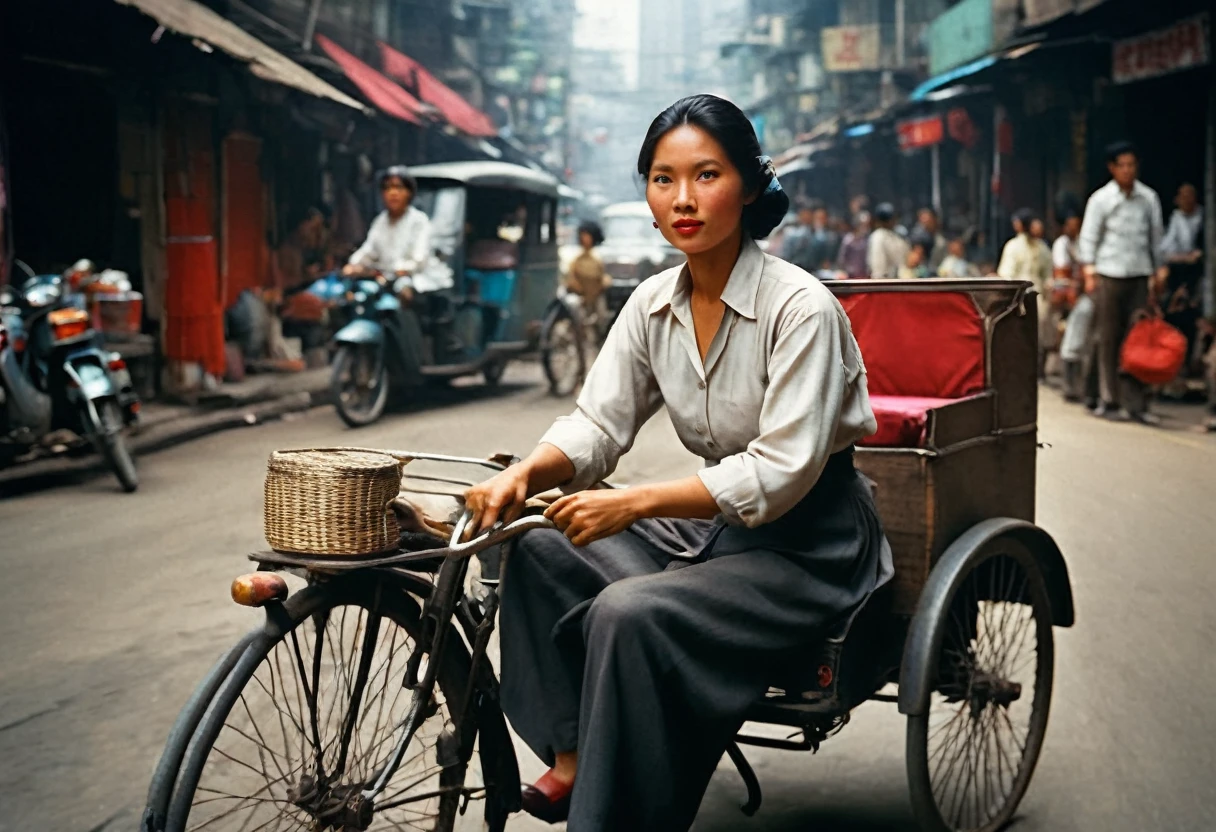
[988, 714]
[360, 382]
[563, 356]
[263, 773]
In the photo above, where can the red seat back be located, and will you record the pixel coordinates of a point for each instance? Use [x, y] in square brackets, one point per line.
[928, 344]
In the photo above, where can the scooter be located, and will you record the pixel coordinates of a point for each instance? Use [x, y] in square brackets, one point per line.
[370, 350]
[55, 377]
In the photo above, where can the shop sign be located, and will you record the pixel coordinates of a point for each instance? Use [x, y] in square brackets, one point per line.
[920, 132]
[851, 48]
[1181, 46]
[960, 34]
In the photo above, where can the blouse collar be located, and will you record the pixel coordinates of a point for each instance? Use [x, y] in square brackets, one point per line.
[739, 293]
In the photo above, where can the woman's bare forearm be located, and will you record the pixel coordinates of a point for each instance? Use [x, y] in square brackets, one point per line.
[685, 498]
[546, 467]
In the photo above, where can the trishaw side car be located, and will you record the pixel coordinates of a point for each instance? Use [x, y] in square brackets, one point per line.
[368, 699]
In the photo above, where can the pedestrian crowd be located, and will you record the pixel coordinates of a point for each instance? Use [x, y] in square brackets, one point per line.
[1114, 264]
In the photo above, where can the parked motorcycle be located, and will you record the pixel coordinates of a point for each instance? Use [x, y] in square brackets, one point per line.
[56, 377]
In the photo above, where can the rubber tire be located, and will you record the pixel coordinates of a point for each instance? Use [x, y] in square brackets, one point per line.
[924, 805]
[560, 313]
[113, 448]
[160, 790]
[356, 590]
[345, 356]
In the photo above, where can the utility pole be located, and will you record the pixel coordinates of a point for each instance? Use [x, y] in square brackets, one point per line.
[310, 27]
[900, 49]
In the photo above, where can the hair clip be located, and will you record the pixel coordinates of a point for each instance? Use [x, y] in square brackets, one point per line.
[769, 169]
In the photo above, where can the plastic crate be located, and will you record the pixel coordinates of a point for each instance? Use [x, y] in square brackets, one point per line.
[119, 313]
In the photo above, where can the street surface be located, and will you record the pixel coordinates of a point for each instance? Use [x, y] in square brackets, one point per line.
[113, 606]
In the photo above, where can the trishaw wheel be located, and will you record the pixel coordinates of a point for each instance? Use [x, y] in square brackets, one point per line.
[359, 385]
[310, 715]
[972, 752]
[562, 356]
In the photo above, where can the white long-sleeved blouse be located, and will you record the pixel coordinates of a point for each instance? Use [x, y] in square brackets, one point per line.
[782, 386]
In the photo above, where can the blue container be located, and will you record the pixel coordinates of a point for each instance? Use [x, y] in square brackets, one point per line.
[497, 287]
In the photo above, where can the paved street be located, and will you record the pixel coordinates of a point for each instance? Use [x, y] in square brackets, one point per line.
[113, 606]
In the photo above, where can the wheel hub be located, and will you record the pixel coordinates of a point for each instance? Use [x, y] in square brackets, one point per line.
[339, 807]
[988, 688]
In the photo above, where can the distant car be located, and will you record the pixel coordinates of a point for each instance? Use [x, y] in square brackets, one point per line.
[633, 250]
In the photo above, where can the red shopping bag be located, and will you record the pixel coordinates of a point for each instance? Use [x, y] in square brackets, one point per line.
[1153, 352]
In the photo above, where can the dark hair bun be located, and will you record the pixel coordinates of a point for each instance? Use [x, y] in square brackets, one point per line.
[766, 213]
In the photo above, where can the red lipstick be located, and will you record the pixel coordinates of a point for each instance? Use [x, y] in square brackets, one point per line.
[687, 226]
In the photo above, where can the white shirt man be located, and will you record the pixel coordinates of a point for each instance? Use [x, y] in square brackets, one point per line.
[1182, 235]
[887, 253]
[1121, 249]
[1121, 234]
[404, 245]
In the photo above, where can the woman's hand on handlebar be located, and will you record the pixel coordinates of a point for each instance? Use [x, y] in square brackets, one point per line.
[502, 497]
[589, 516]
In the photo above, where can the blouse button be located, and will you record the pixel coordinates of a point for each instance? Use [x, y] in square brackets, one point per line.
[700, 385]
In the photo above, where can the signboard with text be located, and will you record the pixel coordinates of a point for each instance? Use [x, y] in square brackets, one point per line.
[920, 132]
[851, 48]
[1181, 46]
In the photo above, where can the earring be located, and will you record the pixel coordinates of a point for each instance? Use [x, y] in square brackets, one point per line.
[655, 224]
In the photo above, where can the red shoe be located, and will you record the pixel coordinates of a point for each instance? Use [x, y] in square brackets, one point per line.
[548, 798]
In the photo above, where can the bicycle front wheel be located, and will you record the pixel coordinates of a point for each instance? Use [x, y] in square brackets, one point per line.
[311, 715]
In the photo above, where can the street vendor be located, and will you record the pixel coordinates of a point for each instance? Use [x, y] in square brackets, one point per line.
[637, 634]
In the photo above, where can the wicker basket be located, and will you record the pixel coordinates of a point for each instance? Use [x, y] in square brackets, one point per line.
[331, 501]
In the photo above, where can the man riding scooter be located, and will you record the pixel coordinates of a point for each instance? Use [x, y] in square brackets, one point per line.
[398, 246]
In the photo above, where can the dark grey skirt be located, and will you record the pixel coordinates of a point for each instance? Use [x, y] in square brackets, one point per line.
[643, 651]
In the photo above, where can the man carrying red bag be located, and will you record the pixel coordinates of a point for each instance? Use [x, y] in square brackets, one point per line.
[1120, 252]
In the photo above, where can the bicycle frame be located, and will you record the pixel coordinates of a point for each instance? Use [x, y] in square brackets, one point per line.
[437, 613]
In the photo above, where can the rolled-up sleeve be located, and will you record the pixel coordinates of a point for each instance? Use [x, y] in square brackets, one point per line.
[808, 381]
[618, 397]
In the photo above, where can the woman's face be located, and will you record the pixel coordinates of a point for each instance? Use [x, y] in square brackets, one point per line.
[586, 240]
[695, 193]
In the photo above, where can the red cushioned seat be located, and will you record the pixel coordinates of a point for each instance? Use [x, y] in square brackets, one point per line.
[901, 420]
[919, 343]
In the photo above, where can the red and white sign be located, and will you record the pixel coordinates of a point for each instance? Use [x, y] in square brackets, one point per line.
[851, 48]
[920, 132]
[1181, 46]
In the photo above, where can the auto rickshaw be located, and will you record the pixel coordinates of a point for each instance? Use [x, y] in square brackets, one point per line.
[494, 225]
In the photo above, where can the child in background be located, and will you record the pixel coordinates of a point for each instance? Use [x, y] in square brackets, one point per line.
[914, 266]
[955, 263]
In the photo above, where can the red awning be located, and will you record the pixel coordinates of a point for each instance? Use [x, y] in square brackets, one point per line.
[386, 95]
[459, 113]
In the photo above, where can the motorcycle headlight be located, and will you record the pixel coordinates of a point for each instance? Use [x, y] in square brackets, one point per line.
[41, 295]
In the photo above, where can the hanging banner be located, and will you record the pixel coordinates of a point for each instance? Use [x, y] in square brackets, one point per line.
[1181, 46]
[920, 132]
[851, 48]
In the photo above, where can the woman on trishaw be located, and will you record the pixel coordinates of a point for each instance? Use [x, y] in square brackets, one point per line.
[635, 638]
